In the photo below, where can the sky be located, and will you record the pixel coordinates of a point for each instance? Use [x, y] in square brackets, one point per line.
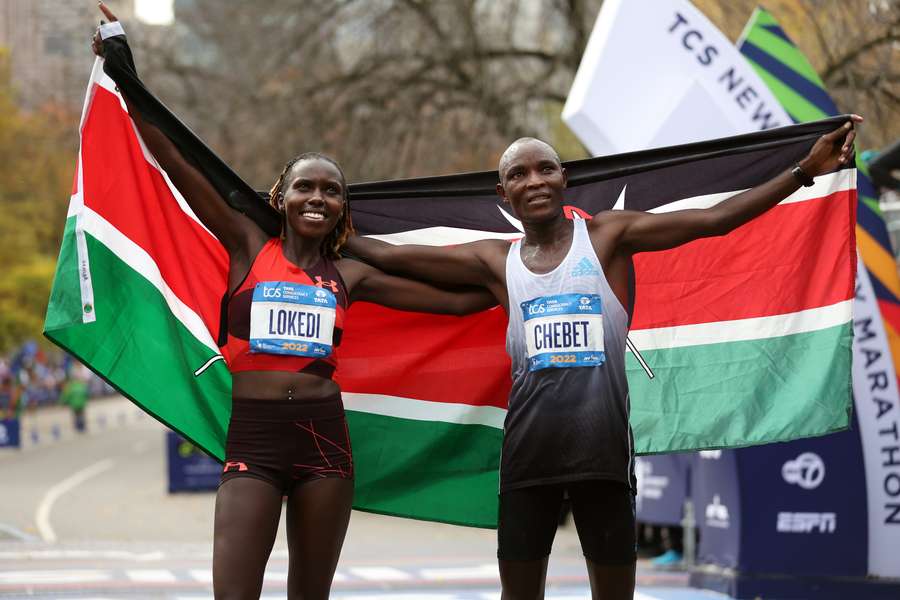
[155, 12]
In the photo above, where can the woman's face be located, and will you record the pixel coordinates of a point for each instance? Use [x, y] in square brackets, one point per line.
[313, 197]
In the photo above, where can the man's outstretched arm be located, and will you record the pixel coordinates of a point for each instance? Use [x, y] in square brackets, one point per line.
[642, 232]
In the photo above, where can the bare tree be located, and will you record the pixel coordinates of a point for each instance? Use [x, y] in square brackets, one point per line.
[399, 88]
[392, 87]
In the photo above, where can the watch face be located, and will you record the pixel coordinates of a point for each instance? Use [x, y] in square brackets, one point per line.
[801, 176]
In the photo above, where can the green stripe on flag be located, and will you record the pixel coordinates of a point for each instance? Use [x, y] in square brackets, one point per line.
[140, 347]
[425, 469]
[746, 393]
[64, 307]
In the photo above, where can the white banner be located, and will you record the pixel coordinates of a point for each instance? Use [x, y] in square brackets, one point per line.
[659, 73]
[878, 413]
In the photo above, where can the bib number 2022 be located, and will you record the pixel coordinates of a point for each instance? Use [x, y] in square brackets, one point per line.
[295, 346]
[563, 358]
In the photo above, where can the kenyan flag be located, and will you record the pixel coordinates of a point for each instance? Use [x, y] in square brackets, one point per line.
[748, 335]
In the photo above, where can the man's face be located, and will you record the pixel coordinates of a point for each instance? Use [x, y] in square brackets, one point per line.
[532, 182]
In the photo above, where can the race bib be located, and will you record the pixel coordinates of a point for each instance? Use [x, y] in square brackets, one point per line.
[564, 331]
[292, 318]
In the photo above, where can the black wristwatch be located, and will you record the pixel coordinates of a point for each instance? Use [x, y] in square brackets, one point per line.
[801, 176]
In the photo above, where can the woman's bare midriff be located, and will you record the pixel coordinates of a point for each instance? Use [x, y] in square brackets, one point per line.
[278, 385]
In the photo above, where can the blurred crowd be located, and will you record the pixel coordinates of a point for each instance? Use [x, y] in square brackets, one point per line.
[31, 377]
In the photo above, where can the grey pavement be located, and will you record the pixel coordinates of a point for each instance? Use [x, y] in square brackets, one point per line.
[90, 516]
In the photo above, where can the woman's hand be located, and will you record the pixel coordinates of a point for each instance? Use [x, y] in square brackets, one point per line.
[96, 42]
[832, 150]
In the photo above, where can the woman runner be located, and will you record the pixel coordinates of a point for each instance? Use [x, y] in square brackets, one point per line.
[287, 436]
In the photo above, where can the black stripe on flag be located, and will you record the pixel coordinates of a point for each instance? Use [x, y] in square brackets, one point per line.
[468, 200]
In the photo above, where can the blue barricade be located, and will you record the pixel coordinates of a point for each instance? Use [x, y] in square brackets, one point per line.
[662, 487]
[10, 430]
[190, 470]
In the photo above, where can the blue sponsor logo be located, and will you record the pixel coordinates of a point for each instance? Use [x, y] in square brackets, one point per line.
[584, 268]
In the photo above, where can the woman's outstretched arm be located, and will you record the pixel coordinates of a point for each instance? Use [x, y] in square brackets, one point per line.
[237, 233]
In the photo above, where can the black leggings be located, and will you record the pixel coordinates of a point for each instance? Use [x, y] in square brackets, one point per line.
[603, 513]
[285, 442]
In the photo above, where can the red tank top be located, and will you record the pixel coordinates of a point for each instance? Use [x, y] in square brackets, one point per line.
[271, 265]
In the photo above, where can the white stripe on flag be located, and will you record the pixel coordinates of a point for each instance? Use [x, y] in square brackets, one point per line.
[739, 330]
[443, 236]
[137, 258]
[840, 181]
[76, 207]
[424, 410]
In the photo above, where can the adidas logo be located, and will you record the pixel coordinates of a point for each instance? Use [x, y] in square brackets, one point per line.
[584, 268]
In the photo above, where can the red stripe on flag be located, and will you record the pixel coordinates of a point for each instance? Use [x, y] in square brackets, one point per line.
[122, 187]
[428, 357]
[767, 267]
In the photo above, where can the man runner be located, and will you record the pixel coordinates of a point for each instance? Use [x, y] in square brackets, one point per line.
[564, 286]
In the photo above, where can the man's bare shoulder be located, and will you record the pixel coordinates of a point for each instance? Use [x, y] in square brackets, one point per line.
[612, 217]
[492, 245]
[489, 251]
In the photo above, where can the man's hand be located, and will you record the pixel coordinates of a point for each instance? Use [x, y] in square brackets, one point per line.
[832, 150]
[96, 42]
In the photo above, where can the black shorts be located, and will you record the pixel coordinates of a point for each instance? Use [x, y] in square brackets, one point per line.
[603, 513]
[285, 442]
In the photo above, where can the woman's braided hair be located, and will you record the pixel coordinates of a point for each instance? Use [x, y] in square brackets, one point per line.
[337, 237]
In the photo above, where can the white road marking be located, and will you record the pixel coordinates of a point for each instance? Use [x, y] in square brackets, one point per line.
[16, 533]
[62, 576]
[201, 575]
[275, 577]
[205, 576]
[400, 596]
[380, 573]
[151, 575]
[211, 598]
[42, 515]
[448, 573]
[642, 596]
[78, 554]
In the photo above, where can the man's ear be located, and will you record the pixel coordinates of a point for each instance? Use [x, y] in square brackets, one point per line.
[565, 176]
[279, 201]
[501, 191]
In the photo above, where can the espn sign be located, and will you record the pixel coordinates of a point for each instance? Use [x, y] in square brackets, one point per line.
[806, 522]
